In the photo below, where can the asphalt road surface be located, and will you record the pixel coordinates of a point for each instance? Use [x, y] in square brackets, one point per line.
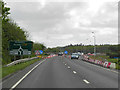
[62, 72]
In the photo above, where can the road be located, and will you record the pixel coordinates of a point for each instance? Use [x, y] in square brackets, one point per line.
[62, 72]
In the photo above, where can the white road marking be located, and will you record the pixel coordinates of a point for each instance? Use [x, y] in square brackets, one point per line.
[65, 64]
[114, 71]
[68, 67]
[86, 81]
[74, 72]
[101, 67]
[25, 75]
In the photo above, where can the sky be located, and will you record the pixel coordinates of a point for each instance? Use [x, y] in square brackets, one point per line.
[63, 22]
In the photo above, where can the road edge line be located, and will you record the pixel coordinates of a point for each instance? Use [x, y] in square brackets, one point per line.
[18, 82]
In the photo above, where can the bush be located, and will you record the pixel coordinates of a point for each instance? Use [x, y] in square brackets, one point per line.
[112, 55]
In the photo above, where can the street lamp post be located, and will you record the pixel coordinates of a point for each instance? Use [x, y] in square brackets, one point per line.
[94, 44]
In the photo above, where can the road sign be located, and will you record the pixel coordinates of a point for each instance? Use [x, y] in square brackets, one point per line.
[37, 52]
[20, 47]
[116, 57]
[41, 51]
[65, 52]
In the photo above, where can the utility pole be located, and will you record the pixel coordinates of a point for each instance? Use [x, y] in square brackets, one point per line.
[94, 44]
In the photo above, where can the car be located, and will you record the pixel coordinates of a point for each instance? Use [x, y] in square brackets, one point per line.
[60, 53]
[79, 53]
[74, 56]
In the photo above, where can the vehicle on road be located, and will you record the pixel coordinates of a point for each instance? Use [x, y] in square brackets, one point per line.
[74, 56]
[60, 53]
[79, 53]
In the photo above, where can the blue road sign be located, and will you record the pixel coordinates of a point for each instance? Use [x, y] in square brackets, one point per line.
[116, 57]
[41, 51]
[65, 52]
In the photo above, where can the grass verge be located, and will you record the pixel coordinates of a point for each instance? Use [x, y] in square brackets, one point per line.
[11, 69]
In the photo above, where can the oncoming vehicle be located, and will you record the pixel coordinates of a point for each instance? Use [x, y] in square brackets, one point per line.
[74, 56]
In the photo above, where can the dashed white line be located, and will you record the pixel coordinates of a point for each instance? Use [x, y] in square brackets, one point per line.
[86, 81]
[74, 72]
[68, 67]
[15, 85]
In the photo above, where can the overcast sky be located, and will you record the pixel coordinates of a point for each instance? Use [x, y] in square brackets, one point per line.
[70, 22]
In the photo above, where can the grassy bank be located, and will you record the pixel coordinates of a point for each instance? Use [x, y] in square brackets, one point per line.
[11, 69]
[100, 57]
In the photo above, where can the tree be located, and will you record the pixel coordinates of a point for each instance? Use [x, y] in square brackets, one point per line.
[5, 12]
[10, 31]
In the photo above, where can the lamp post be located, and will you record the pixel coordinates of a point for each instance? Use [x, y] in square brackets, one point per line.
[94, 44]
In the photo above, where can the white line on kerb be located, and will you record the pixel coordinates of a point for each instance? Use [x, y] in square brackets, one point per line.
[74, 72]
[86, 81]
[25, 76]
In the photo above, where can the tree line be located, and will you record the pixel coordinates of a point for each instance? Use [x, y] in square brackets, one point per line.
[110, 50]
[12, 32]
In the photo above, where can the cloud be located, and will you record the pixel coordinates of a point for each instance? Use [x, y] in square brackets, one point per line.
[62, 23]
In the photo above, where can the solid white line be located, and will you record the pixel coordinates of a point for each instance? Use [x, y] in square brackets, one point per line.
[74, 72]
[86, 81]
[25, 75]
[68, 67]
[115, 71]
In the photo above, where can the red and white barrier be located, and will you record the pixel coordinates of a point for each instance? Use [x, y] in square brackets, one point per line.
[50, 56]
[91, 60]
[104, 64]
[113, 65]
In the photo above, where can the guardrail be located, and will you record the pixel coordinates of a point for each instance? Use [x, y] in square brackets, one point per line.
[27, 59]
[20, 60]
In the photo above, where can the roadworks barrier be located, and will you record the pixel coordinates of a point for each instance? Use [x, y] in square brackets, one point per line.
[50, 56]
[101, 63]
